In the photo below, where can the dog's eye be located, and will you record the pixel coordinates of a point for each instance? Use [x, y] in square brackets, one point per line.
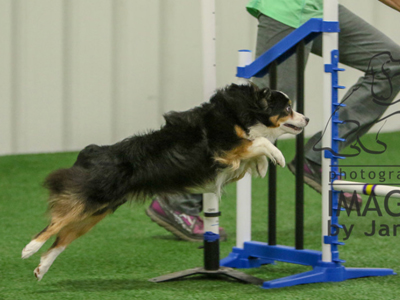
[288, 108]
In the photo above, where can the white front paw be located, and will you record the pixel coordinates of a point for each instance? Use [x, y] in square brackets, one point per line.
[276, 156]
[280, 159]
[262, 166]
[262, 146]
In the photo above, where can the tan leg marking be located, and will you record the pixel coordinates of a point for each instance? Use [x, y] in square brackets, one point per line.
[65, 209]
[67, 235]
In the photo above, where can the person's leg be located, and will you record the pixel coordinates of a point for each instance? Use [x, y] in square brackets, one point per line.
[190, 204]
[269, 33]
[365, 48]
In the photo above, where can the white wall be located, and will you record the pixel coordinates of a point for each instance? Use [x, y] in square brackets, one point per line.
[75, 72]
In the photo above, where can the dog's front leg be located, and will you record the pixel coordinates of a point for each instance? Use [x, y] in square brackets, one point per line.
[262, 166]
[263, 147]
[259, 166]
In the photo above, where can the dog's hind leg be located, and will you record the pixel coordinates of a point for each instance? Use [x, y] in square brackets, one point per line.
[68, 234]
[65, 209]
[55, 226]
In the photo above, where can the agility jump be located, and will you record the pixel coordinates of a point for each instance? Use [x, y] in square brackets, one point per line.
[327, 265]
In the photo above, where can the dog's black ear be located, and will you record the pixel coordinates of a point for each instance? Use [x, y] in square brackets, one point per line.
[264, 97]
[267, 93]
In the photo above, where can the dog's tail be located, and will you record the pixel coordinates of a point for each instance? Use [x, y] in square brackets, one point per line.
[66, 180]
[63, 202]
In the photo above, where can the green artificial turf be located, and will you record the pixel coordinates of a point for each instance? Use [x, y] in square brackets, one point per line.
[116, 259]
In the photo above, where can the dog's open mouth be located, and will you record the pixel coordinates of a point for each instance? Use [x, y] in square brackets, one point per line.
[293, 127]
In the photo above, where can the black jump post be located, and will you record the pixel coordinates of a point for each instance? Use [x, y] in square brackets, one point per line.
[272, 171]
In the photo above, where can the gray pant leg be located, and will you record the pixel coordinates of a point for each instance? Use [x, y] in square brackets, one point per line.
[190, 204]
[363, 47]
[269, 33]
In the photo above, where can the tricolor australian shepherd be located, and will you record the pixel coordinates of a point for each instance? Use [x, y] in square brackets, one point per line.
[198, 150]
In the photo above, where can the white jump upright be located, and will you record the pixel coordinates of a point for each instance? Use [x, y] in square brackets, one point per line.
[243, 187]
[210, 200]
[209, 48]
[329, 43]
[210, 207]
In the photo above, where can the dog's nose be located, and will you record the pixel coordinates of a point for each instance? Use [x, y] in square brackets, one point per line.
[307, 120]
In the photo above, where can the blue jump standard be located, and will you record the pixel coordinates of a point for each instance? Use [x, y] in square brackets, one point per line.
[255, 254]
[286, 47]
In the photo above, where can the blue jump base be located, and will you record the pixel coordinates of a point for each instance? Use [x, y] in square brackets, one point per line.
[254, 254]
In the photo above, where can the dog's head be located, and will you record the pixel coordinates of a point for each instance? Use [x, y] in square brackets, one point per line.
[265, 112]
[277, 112]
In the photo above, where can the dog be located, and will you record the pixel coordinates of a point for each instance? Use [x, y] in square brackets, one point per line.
[196, 151]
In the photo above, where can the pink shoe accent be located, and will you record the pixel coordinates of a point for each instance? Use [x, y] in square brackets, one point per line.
[307, 169]
[155, 205]
[199, 226]
[185, 218]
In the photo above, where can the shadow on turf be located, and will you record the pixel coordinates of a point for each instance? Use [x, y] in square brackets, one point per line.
[96, 285]
[197, 283]
[176, 239]
[166, 237]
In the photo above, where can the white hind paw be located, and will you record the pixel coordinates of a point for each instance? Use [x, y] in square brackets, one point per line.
[39, 272]
[31, 249]
[46, 261]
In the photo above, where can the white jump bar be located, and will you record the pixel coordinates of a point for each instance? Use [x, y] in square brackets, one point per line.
[365, 188]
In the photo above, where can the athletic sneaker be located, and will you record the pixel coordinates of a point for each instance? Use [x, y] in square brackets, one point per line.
[313, 177]
[185, 227]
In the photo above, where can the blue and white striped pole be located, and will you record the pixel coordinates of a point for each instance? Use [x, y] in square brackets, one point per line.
[366, 188]
[330, 43]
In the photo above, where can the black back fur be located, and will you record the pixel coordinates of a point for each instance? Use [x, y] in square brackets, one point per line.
[178, 156]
